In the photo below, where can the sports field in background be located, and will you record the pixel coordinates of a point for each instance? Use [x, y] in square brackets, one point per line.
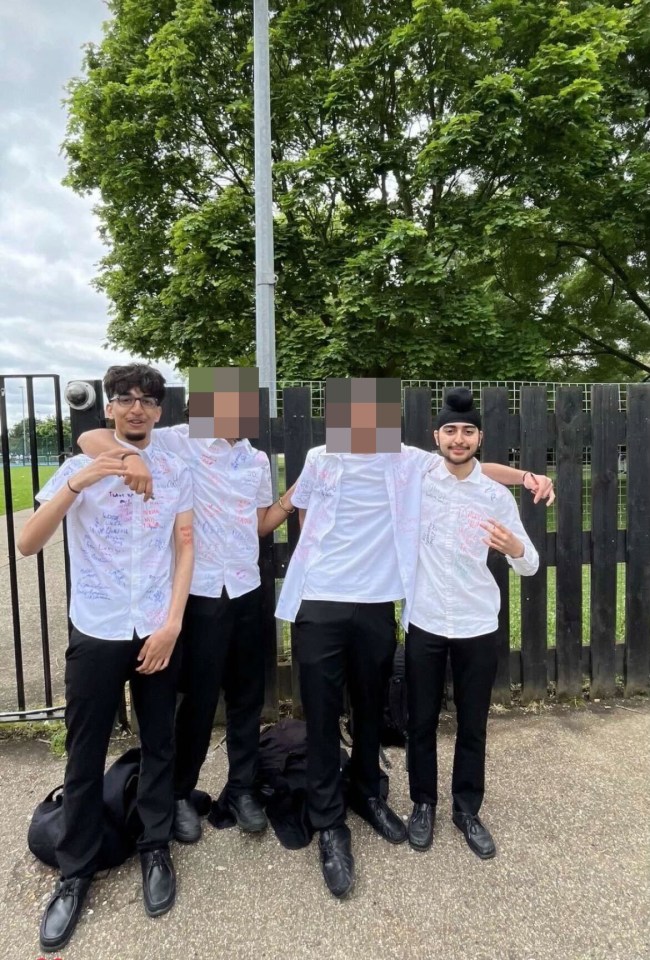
[21, 486]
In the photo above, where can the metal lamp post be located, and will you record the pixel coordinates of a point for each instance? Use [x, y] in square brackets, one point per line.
[264, 267]
[22, 396]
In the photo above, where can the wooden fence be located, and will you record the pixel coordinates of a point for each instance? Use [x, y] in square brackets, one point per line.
[578, 442]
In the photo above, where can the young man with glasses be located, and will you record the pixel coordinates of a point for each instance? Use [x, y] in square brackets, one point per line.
[221, 636]
[130, 566]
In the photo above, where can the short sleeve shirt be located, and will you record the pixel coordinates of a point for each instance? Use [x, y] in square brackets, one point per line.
[121, 548]
[230, 483]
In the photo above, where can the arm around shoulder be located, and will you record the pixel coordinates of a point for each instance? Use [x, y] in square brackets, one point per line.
[539, 484]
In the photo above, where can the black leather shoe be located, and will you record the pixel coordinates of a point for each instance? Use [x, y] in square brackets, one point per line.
[158, 881]
[337, 861]
[385, 821]
[479, 839]
[420, 826]
[248, 812]
[62, 912]
[187, 823]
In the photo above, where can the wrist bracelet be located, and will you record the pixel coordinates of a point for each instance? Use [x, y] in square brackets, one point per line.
[526, 473]
[129, 453]
[71, 488]
[287, 511]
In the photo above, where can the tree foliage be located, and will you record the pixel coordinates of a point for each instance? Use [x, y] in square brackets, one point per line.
[47, 435]
[460, 190]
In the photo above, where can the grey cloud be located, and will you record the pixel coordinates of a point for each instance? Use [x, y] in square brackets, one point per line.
[51, 318]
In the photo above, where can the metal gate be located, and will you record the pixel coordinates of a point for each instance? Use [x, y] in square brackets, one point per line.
[34, 631]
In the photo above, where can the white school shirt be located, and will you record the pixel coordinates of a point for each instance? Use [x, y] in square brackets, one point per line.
[121, 548]
[319, 489]
[358, 562]
[230, 483]
[455, 595]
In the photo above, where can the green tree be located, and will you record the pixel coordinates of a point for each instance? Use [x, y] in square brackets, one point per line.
[46, 431]
[461, 191]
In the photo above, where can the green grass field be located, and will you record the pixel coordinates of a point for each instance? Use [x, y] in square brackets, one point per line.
[515, 606]
[21, 486]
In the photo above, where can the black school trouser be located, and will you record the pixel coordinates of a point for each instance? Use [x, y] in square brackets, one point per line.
[473, 669]
[222, 648]
[338, 641]
[95, 674]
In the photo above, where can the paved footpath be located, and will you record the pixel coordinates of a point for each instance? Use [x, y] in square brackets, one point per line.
[568, 805]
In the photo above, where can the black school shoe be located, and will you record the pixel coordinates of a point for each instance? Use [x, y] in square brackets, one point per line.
[62, 912]
[248, 812]
[337, 862]
[479, 839]
[376, 812]
[158, 881]
[420, 826]
[187, 822]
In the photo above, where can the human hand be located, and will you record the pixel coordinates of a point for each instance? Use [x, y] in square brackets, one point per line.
[108, 464]
[157, 649]
[137, 476]
[541, 486]
[501, 539]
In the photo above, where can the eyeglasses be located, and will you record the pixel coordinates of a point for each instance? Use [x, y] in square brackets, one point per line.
[127, 401]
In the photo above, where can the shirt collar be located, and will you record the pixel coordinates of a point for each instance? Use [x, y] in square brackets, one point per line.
[129, 446]
[220, 444]
[473, 477]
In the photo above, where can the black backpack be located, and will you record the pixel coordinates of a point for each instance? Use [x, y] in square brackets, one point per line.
[394, 730]
[122, 824]
[282, 784]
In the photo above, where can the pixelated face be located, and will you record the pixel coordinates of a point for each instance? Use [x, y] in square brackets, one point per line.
[363, 415]
[224, 402]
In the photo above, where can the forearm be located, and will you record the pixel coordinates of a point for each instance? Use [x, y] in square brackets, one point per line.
[94, 442]
[276, 514]
[45, 521]
[508, 476]
[180, 585]
[183, 567]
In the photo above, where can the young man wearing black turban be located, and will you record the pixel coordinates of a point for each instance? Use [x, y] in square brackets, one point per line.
[454, 612]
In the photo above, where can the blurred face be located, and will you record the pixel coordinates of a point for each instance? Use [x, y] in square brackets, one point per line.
[363, 415]
[458, 442]
[134, 414]
[224, 402]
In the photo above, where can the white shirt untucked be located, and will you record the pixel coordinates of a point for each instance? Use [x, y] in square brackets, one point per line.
[455, 595]
[121, 548]
[230, 483]
[329, 488]
[358, 560]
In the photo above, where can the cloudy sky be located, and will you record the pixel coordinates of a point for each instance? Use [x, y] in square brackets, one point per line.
[51, 319]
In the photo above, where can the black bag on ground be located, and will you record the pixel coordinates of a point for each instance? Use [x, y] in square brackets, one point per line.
[394, 729]
[122, 824]
[282, 784]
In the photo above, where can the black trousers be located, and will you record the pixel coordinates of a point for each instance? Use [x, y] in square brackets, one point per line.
[95, 674]
[339, 641]
[222, 648]
[473, 668]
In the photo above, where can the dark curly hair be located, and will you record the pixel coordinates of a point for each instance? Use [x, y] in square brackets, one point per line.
[119, 380]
